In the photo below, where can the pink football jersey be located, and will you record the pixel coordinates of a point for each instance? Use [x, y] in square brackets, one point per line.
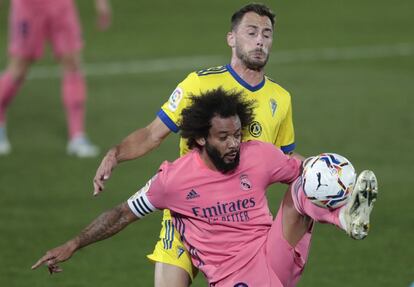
[223, 219]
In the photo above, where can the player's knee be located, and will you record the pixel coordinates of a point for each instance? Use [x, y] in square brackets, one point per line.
[71, 63]
[18, 67]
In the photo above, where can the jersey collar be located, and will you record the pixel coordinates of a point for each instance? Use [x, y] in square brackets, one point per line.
[243, 82]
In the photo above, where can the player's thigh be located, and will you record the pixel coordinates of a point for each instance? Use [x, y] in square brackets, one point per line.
[256, 273]
[295, 225]
[167, 275]
[27, 30]
[286, 260]
[65, 32]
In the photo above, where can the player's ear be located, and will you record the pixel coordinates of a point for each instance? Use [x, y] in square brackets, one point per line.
[201, 141]
[230, 39]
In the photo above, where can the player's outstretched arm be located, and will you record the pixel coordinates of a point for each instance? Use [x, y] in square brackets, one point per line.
[106, 225]
[104, 14]
[137, 144]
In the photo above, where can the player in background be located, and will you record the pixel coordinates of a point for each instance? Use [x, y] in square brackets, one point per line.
[217, 196]
[250, 39]
[31, 24]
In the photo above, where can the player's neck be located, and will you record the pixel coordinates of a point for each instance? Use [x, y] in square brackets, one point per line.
[252, 77]
[207, 161]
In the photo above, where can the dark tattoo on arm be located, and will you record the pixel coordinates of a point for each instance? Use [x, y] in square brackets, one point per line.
[106, 225]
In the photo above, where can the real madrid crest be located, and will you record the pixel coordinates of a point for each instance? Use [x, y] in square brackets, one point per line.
[245, 182]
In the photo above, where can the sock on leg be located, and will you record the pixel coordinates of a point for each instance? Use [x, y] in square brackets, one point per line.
[305, 207]
[74, 97]
[8, 90]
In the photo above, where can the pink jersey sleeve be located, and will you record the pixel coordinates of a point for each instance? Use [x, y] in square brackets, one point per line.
[156, 192]
[282, 168]
[151, 197]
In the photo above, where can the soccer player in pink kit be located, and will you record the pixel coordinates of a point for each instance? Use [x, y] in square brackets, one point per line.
[31, 24]
[216, 194]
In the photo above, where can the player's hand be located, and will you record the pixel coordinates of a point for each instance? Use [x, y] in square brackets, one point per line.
[55, 256]
[104, 14]
[104, 171]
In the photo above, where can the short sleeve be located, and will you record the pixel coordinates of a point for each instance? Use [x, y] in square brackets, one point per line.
[170, 112]
[286, 135]
[281, 167]
[149, 198]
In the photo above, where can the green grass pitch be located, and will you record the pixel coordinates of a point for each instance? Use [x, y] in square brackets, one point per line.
[349, 66]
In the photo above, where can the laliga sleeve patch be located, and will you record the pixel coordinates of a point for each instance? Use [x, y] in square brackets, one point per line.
[175, 99]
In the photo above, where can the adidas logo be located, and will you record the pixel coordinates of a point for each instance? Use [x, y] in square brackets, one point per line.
[192, 194]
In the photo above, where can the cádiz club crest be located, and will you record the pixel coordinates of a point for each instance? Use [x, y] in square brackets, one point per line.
[255, 129]
[273, 106]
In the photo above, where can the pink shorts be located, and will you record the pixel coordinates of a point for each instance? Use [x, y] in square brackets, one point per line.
[33, 22]
[276, 264]
[256, 273]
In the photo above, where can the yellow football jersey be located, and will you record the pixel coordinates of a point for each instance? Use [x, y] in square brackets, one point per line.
[273, 109]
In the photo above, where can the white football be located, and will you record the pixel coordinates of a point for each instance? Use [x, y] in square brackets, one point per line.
[328, 180]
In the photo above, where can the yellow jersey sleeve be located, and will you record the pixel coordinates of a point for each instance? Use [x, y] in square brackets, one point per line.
[170, 112]
[285, 138]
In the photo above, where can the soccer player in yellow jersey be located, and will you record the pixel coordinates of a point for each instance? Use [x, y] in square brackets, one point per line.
[273, 112]
[250, 40]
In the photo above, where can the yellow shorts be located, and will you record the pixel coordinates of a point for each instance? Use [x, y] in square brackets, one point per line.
[170, 250]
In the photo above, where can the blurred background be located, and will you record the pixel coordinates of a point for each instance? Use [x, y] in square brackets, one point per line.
[349, 66]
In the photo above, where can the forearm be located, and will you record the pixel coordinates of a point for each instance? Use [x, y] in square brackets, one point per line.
[106, 225]
[141, 141]
[137, 144]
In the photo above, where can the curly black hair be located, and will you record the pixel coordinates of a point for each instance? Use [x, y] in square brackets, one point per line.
[196, 119]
